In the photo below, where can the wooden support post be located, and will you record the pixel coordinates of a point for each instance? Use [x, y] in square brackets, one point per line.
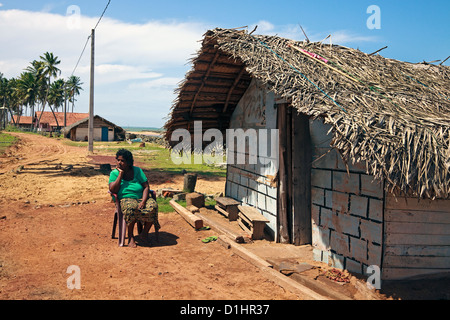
[194, 221]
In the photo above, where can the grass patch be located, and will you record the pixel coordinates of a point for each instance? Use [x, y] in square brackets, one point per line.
[6, 140]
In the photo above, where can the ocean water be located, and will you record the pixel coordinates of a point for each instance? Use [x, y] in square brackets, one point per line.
[139, 129]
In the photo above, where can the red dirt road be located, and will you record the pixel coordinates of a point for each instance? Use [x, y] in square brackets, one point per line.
[52, 218]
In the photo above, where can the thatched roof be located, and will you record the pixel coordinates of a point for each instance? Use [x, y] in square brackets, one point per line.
[393, 115]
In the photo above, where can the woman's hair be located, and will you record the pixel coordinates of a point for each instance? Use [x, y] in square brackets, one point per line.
[127, 155]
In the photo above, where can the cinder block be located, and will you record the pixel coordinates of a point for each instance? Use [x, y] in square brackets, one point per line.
[261, 201]
[358, 249]
[353, 266]
[242, 193]
[321, 178]
[244, 181]
[371, 187]
[324, 158]
[336, 260]
[315, 215]
[318, 196]
[371, 231]
[272, 192]
[344, 223]
[376, 210]
[339, 243]
[339, 202]
[358, 205]
[326, 218]
[271, 205]
[234, 190]
[320, 238]
[374, 254]
[344, 182]
[252, 197]
[329, 199]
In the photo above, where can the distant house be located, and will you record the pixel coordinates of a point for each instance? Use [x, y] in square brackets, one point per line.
[104, 130]
[22, 122]
[48, 123]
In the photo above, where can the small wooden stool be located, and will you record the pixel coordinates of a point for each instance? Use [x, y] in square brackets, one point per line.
[252, 221]
[228, 207]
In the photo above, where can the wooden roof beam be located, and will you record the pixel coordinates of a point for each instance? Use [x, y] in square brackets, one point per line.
[204, 80]
[241, 73]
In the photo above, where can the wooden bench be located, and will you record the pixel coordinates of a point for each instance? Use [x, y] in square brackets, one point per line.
[228, 207]
[252, 221]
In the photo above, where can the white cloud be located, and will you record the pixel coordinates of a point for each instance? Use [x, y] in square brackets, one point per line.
[137, 63]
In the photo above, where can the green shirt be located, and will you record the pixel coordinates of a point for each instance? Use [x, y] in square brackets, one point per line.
[130, 189]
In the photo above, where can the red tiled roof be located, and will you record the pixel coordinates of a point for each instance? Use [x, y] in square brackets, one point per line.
[23, 120]
[71, 118]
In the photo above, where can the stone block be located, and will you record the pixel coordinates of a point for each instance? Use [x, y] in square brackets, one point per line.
[318, 196]
[358, 249]
[315, 215]
[271, 205]
[371, 231]
[321, 178]
[344, 182]
[376, 210]
[340, 202]
[374, 253]
[261, 201]
[326, 218]
[371, 188]
[358, 205]
[339, 243]
[320, 238]
[353, 266]
[344, 223]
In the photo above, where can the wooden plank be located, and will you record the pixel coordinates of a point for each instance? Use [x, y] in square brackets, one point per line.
[416, 239]
[222, 211]
[252, 213]
[282, 190]
[417, 228]
[301, 180]
[408, 273]
[192, 219]
[402, 203]
[418, 250]
[417, 262]
[225, 201]
[417, 216]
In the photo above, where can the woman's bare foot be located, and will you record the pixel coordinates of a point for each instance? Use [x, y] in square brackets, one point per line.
[132, 243]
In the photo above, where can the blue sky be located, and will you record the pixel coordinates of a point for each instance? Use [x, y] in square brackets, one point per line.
[143, 47]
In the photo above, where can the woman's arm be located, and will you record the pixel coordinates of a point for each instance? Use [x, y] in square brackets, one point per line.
[114, 187]
[145, 195]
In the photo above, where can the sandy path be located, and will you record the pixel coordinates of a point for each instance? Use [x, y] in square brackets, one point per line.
[51, 219]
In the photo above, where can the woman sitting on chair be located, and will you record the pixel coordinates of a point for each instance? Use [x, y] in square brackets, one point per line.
[131, 186]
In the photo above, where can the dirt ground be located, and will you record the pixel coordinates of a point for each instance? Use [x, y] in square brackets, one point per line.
[55, 213]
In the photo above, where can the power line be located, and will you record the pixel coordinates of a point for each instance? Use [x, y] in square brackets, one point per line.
[89, 37]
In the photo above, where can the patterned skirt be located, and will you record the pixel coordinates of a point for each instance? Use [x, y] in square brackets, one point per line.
[131, 213]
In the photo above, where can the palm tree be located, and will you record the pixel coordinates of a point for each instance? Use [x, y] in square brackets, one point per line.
[56, 94]
[73, 88]
[28, 88]
[49, 70]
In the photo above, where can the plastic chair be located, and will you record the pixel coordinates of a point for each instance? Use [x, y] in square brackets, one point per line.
[119, 220]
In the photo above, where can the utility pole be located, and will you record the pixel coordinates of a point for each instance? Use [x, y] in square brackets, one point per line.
[91, 99]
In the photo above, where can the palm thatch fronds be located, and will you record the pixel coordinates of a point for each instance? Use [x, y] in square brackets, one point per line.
[393, 115]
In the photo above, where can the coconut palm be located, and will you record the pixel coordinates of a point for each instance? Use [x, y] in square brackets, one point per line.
[49, 70]
[73, 89]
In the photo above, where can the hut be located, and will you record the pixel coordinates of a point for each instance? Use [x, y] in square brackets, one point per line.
[361, 169]
[50, 122]
[104, 130]
[22, 122]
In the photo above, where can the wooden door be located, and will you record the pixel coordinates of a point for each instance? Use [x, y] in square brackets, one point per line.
[294, 183]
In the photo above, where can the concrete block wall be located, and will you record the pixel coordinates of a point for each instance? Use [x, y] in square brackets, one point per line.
[347, 208]
[247, 185]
